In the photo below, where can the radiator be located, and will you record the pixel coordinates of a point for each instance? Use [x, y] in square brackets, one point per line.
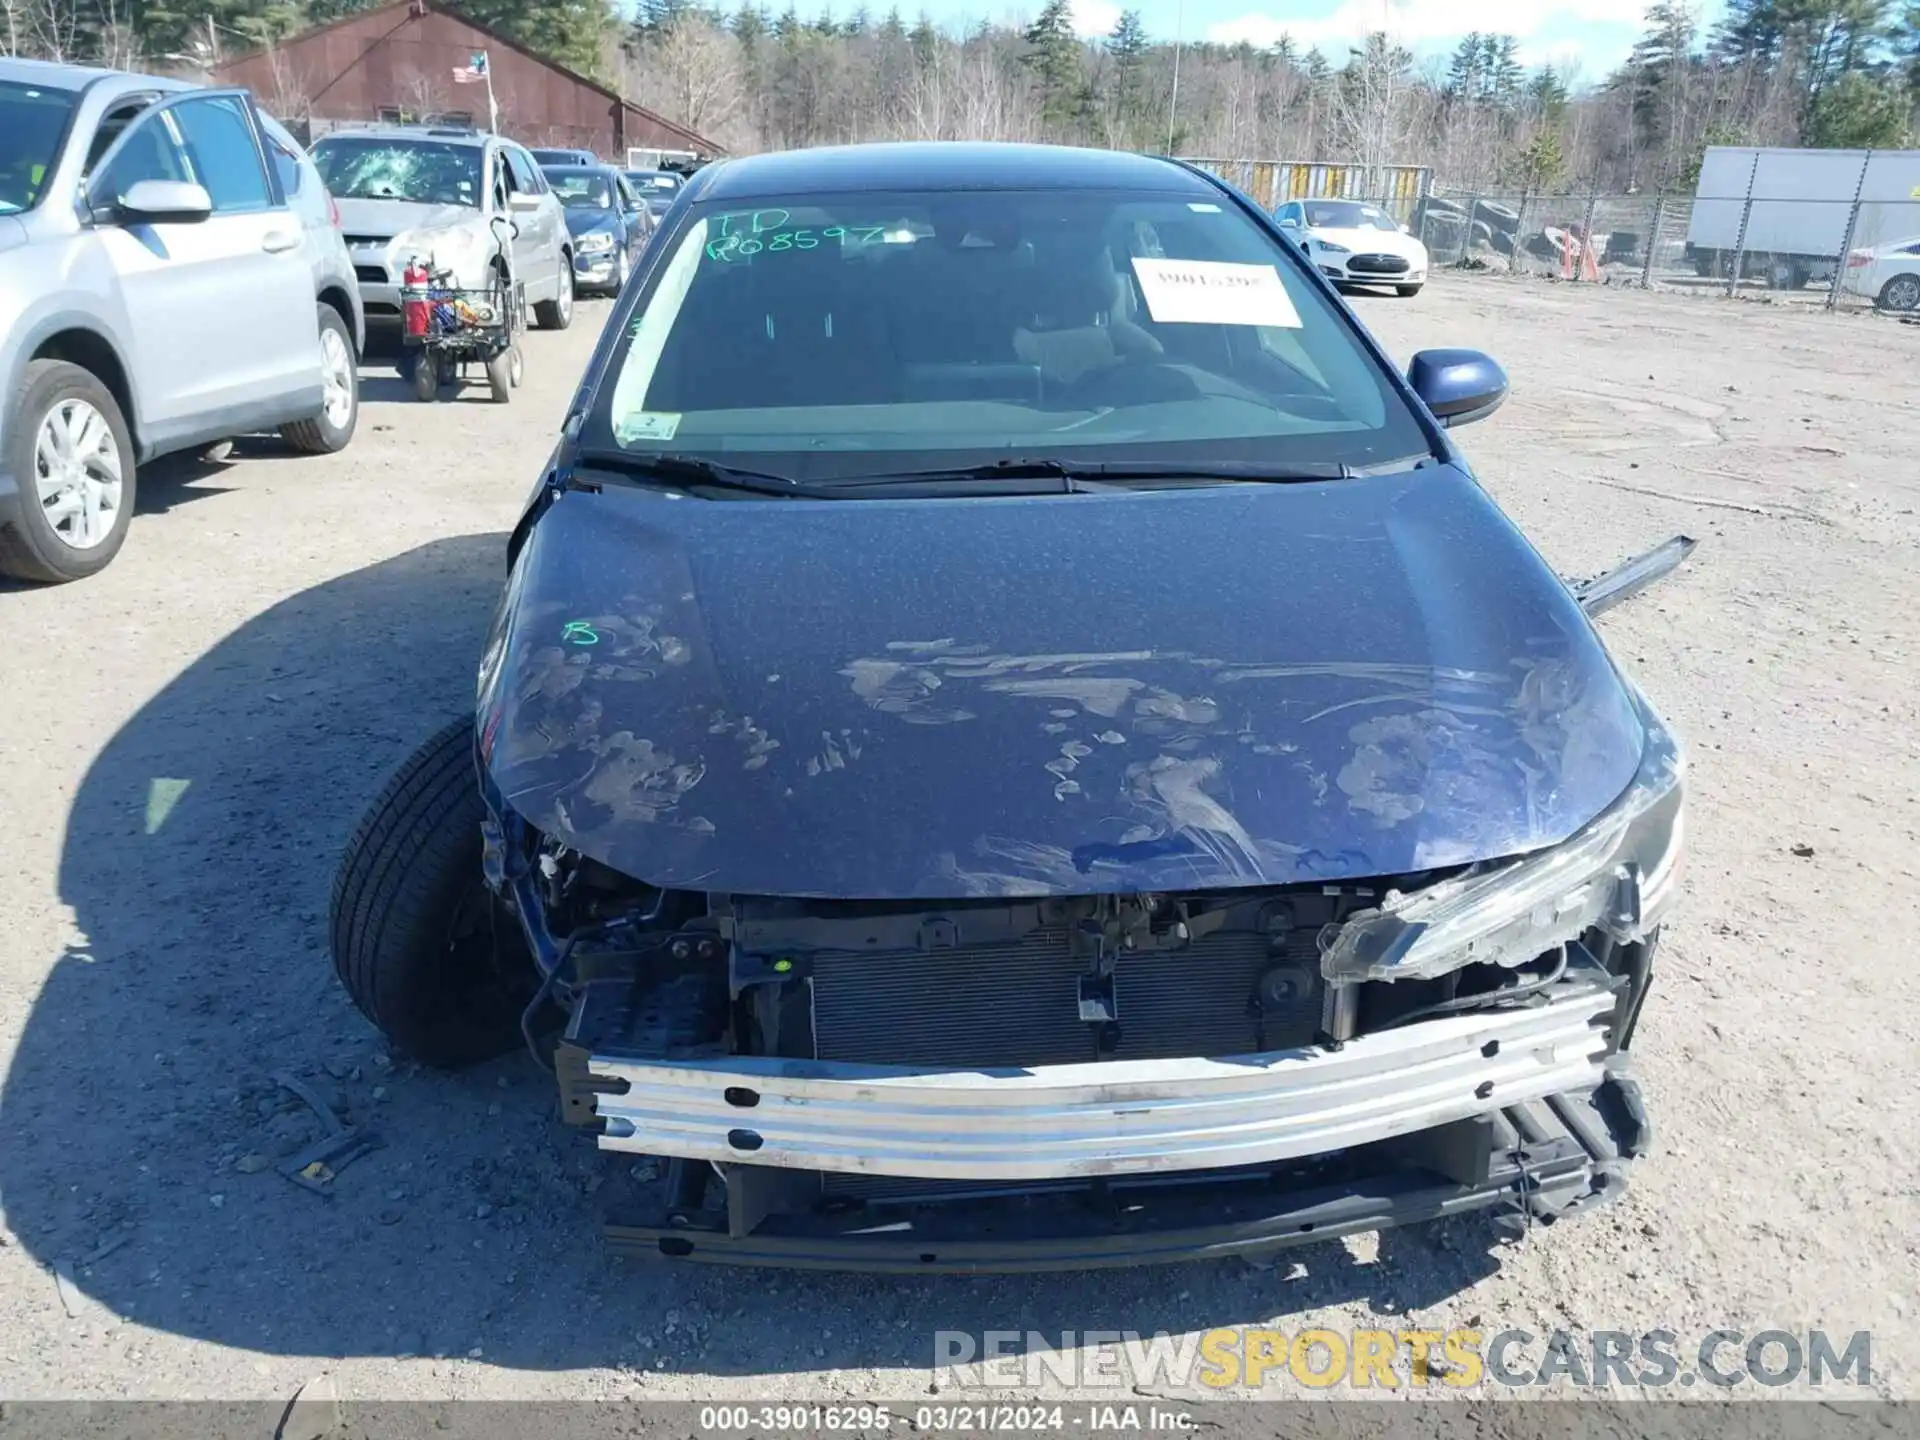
[1016, 1003]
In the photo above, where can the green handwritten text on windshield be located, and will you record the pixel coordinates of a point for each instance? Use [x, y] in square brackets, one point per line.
[766, 232]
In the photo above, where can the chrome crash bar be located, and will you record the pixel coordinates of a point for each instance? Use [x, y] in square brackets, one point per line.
[1118, 1117]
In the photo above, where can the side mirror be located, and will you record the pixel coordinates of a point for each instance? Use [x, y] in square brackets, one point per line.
[523, 203]
[163, 202]
[1405, 228]
[1458, 386]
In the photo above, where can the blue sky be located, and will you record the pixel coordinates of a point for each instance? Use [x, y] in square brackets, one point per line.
[1590, 36]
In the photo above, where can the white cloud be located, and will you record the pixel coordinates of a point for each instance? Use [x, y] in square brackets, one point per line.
[1565, 56]
[1420, 22]
[1095, 18]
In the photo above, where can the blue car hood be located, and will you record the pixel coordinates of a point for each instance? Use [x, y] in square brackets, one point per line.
[581, 221]
[1240, 685]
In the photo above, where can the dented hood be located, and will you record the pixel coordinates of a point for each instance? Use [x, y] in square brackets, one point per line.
[1241, 685]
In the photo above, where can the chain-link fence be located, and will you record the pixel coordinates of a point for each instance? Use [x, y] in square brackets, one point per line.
[1860, 253]
[1838, 254]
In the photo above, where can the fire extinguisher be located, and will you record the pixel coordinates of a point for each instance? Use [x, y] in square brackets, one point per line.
[413, 298]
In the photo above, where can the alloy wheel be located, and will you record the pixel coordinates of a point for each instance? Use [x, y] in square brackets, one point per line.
[78, 472]
[336, 368]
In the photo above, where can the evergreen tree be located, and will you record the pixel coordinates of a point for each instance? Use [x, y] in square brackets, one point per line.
[650, 17]
[749, 25]
[1547, 92]
[1857, 111]
[1506, 77]
[1542, 164]
[925, 40]
[1127, 46]
[566, 31]
[1053, 55]
[1466, 76]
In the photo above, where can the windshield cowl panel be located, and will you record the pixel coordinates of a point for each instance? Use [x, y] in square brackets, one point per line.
[842, 335]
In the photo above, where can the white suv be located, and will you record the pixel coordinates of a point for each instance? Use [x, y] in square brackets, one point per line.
[170, 277]
[472, 203]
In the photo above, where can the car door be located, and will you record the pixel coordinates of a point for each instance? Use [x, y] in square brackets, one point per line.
[220, 311]
[537, 248]
[635, 221]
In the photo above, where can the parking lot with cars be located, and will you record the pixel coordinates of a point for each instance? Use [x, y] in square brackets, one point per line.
[207, 719]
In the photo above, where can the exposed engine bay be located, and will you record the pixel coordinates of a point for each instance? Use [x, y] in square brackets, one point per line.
[815, 1068]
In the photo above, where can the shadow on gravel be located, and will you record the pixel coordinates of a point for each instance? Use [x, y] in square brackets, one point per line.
[140, 1122]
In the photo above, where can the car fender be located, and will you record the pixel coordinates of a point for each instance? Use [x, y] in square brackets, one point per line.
[62, 310]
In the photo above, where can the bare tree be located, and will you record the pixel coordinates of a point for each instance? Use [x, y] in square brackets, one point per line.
[690, 71]
[421, 95]
[288, 97]
[1372, 104]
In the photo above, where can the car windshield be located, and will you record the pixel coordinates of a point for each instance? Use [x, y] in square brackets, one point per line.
[646, 180]
[1348, 215]
[33, 121]
[838, 335]
[581, 190]
[416, 170]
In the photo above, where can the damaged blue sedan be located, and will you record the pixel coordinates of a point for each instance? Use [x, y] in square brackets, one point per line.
[1013, 739]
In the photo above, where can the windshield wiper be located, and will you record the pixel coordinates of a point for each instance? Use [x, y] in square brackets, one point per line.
[690, 472]
[1075, 474]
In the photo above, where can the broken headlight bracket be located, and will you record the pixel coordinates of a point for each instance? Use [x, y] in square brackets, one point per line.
[1619, 874]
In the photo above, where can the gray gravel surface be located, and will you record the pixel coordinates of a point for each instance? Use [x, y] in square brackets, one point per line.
[189, 737]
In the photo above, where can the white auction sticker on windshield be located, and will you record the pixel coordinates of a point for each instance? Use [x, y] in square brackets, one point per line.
[646, 425]
[1211, 292]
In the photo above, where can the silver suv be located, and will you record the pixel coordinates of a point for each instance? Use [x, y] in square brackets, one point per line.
[170, 277]
[474, 204]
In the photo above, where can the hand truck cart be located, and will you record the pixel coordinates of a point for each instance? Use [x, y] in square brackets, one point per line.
[446, 329]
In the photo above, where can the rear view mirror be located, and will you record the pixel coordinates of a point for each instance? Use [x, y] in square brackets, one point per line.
[1458, 386]
[164, 202]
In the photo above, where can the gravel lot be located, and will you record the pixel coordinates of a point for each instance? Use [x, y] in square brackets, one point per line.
[190, 736]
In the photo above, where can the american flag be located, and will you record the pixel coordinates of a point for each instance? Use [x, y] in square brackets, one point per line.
[474, 70]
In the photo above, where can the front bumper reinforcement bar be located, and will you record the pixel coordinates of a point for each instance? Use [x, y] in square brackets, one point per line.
[1537, 1162]
[1113, 1118]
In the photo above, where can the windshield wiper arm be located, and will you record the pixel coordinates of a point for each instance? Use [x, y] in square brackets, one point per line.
[690, 472]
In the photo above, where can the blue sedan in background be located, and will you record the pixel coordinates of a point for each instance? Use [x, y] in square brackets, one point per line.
[610, 224]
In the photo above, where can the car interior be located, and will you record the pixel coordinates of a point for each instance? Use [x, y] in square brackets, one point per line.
[953, 306]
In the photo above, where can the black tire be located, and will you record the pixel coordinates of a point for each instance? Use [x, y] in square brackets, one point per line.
[426, 376]
[557, 313]
[320, 436]
[500, 378]
[1406, 292]
[424, 949]
[1902, 292]
[30, 548]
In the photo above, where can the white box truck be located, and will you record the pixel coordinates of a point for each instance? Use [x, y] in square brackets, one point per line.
[1801, 201]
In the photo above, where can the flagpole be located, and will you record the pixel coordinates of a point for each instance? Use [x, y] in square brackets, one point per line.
[493, 110]
[1173, 100]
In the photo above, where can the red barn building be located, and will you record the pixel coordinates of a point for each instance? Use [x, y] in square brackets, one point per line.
[397, 64]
